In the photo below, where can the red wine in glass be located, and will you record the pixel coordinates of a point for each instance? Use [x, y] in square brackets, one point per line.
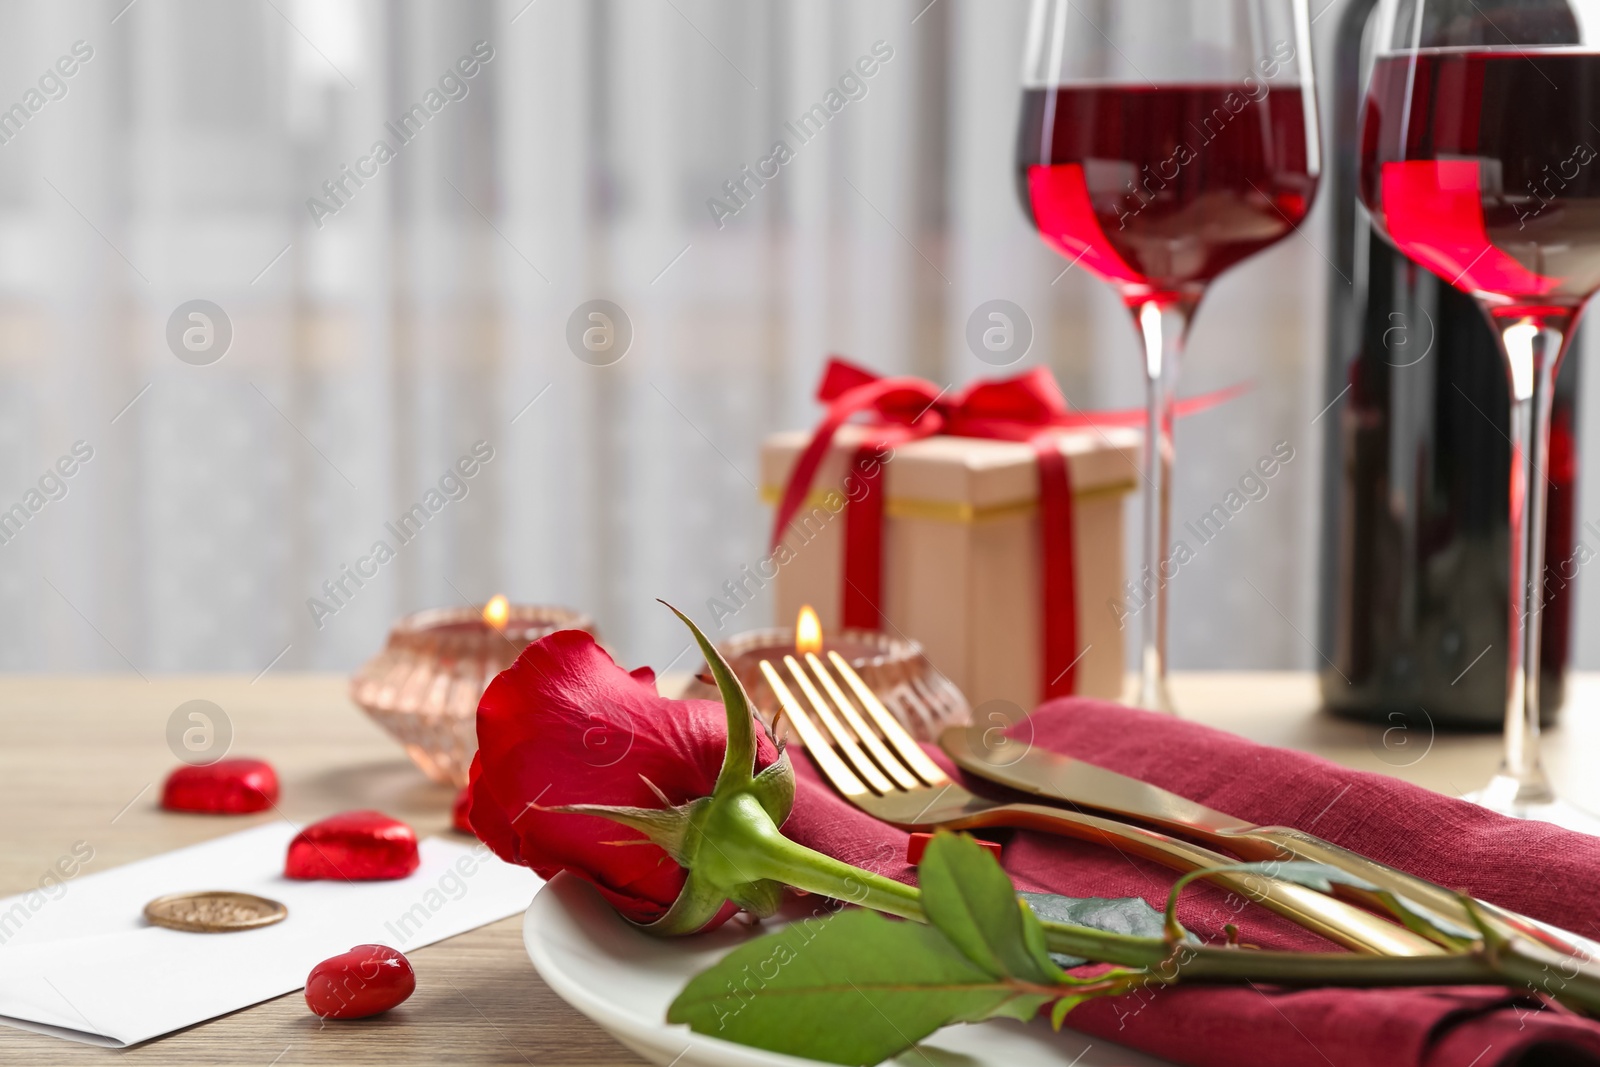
[1161, 142]
[1159, 189]
[1481, 164]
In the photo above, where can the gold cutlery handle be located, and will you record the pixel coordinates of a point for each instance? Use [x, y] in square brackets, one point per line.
[1334, 919]
[1070, 781]
[1297, 844]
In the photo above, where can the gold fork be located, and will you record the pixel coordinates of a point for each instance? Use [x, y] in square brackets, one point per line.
[889, 777]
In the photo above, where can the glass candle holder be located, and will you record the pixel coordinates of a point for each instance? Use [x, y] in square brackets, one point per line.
[894, 668]
[425, 685]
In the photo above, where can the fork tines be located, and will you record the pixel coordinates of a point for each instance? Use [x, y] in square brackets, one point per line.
[861, 737]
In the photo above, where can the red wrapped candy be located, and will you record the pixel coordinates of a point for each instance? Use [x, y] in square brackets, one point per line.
[364, 981]
[458, 812]
[354, 846]
[919, 845]
[226, 787]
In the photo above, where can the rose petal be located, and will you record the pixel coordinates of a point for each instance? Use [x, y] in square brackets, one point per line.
[458, 813]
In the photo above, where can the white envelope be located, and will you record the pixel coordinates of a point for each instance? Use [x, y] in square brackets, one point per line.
[86, 966]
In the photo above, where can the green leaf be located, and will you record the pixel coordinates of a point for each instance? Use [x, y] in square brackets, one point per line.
[1420, 920]
[858, 988]
[969, 899]
[1058, 1013]
[855, 988]
[1115, 915]
[1033, 936]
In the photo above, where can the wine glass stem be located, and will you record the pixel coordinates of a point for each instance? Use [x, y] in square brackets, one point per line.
[1163, 325]
[1532, 347]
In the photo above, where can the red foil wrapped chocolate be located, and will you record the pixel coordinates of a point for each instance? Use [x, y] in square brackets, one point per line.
[354, 846]
[918, 844]
[364, 981]
[226, 787]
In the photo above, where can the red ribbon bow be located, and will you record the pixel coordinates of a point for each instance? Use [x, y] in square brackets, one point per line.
[1029, 407]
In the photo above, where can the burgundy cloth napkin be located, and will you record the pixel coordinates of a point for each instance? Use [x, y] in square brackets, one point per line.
[1535, 868]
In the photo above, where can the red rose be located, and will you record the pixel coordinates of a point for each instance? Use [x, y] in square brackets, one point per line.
[566, 725]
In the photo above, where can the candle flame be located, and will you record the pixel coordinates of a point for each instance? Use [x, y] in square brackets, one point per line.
[807, 631]
[497, 611]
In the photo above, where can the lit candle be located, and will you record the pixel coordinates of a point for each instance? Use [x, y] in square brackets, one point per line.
[425, 684]
[860, 647]
[807, 631]
[887, 662]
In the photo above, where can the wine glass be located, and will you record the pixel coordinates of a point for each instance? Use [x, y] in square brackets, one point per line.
[1478, 161]
[1163, 141]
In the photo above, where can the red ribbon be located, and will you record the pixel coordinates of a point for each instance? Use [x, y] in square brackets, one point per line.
[1028, 407]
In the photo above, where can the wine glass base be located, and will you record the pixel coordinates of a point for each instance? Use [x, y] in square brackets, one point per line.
[1156, 697]
[1502, 795]
[1508, 794]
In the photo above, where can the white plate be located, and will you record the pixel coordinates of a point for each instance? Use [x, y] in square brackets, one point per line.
[624, 979]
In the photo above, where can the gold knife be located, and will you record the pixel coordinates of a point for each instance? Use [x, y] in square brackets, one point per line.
[1073, 782]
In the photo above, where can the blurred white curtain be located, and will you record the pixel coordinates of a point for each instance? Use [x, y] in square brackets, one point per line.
[371, 351]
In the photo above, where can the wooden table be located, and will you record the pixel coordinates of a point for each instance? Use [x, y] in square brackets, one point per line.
[81, 759]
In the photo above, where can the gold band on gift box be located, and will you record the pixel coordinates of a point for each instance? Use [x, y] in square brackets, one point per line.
[953, 511]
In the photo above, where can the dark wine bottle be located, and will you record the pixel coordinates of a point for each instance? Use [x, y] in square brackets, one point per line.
[1413, 610]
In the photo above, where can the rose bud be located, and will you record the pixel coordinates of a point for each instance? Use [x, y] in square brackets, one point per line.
[355, 846]
[458, 813]
[565, 724]
[226, 787]
[364, 981]
[570, 746]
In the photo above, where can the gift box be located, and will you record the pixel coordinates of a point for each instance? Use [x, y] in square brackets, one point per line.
[962, 567]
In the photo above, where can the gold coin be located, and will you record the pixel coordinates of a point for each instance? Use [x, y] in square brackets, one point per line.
[213, 911]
